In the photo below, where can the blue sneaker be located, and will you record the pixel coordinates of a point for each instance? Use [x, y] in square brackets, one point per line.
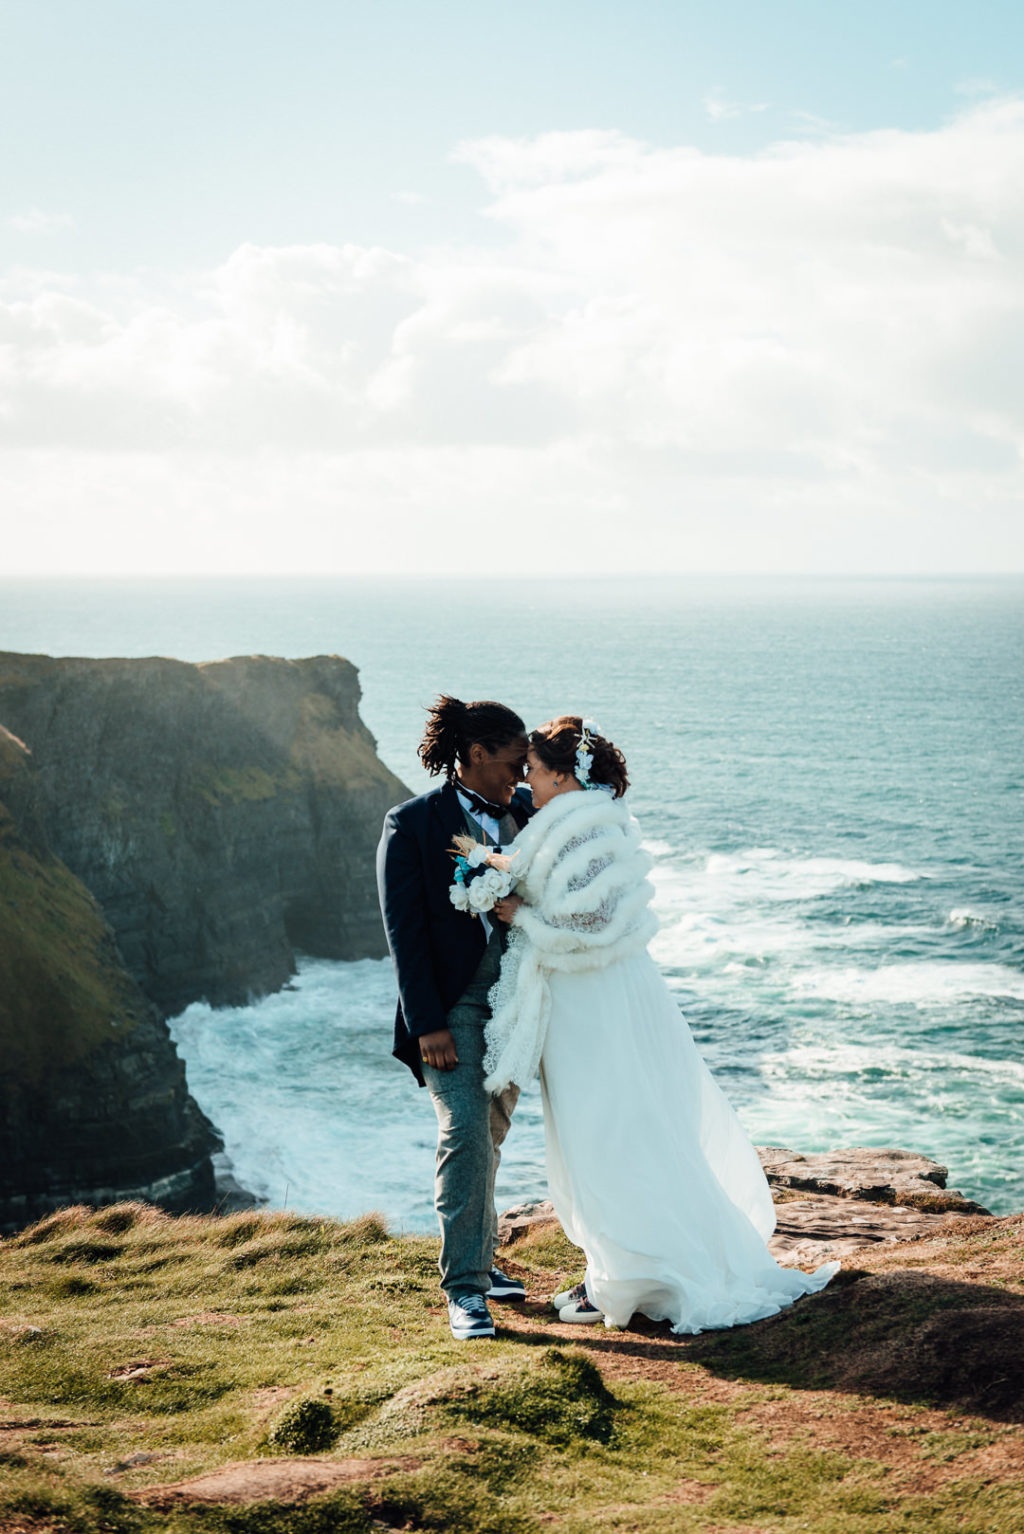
[468, 1317]
[505, 1288]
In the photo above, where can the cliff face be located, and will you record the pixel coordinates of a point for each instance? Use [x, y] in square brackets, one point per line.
[93, 1101]
[224, 815]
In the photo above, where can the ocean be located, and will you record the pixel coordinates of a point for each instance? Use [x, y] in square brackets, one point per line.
[830, 774]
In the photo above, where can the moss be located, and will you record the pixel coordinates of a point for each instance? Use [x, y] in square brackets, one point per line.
[560, 1397]
[236, 785]
[304, 1427]
[554, 1395]
[114, 806]
[65, 992]
[331, 753]
[938, 1202]
[547, 1246]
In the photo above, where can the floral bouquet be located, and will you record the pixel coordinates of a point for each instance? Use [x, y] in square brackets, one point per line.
[483, 876]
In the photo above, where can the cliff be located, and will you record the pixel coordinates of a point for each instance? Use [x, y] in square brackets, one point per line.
[224, 815]
[93, 1101]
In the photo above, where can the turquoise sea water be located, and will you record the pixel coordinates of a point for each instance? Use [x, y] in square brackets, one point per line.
[831, 775]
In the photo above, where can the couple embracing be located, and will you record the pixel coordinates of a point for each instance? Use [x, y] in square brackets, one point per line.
[649, 1169]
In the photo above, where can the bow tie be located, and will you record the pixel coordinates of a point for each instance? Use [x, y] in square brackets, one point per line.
[484, 806]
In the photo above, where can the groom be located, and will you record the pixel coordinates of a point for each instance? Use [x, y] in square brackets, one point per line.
[446, 962]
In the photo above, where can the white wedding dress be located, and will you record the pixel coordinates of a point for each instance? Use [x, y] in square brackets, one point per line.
[649, 1168]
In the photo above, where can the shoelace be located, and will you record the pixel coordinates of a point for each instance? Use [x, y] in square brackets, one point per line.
[475, 1304]
[581, 1299]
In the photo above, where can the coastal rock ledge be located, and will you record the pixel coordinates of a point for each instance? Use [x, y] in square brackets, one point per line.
[828, 1205]
[224, 815]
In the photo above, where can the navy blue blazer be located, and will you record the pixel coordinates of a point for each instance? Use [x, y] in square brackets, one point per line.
[436, 949]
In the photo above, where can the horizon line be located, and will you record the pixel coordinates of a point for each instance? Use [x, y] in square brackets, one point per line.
[535, 575]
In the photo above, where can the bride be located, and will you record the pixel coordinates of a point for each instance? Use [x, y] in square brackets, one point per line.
[649, 1169]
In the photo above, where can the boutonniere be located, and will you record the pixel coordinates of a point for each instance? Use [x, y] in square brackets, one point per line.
[483, 876]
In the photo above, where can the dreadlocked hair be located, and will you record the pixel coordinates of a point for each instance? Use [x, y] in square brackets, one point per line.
[454, 726]
[557, 742]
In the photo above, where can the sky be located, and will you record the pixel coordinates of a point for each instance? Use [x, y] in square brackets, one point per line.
[311, 285]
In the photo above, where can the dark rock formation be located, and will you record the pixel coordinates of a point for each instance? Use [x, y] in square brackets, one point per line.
[853, 1198]
[224, 815]
[93, 1102]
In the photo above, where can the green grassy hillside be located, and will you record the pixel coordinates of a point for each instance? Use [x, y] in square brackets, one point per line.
[265, 1372]
[65, 992]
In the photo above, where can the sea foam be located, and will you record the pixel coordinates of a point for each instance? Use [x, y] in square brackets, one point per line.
[934, 982]
[316, 1114]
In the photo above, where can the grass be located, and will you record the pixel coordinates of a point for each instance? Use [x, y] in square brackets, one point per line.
[64, 990]
[139, 1350]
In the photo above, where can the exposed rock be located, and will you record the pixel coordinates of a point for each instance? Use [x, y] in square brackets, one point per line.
[518, 1220]
[863, 1196]
[93, 1102]
[271, 1480]
[224, 815]
[882, 1176]
[813, 1230]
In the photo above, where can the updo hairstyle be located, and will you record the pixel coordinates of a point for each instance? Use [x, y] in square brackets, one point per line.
[557, 742]
[453, 727]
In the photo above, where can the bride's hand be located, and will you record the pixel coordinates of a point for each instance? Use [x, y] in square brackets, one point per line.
[505, 909]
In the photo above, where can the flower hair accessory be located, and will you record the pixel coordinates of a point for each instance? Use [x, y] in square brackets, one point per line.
[585, 753]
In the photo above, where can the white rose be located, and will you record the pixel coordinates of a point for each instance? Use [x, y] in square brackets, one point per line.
[481, 897]
[459, 897]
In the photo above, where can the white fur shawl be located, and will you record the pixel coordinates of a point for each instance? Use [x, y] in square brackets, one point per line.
[581, 870]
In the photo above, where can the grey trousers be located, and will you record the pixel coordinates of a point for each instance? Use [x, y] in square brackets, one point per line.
[471, 1125]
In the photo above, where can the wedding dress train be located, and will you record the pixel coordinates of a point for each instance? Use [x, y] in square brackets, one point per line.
[649, 1168]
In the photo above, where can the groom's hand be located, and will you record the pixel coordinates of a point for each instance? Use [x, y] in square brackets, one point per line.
[438, 1050]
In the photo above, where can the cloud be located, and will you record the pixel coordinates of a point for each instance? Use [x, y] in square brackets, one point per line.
[719, 109]
[977, 85]
[806, 357]
[35, 221]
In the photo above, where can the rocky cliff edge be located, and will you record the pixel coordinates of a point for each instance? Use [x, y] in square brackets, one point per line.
[93, 1101]
[224, 815]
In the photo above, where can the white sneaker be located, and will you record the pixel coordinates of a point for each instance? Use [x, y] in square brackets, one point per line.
[581, 1312]
[567, 1296]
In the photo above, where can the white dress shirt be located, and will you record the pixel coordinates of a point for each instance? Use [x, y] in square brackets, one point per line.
[488, 824]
